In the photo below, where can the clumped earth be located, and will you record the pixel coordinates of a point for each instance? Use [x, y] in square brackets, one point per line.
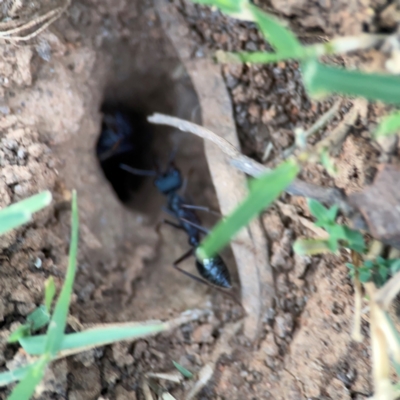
[51, 91]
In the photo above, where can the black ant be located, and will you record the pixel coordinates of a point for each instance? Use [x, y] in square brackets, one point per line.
[168, 183]
[120, 142]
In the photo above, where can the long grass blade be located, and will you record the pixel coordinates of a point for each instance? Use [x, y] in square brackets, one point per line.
[36, 345]
[11, 220]
[322, 80]
[26, 387]
[263, 191]
[14, 375]
[56, 328]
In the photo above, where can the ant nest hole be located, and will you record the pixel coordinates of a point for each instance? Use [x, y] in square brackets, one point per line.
[128, 265]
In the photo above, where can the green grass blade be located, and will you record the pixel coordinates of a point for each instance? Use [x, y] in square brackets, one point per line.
[56, 328]
[322, 80]
[14, 375]
[318, 210]
[49, 293]
[263, 192]
[38, 318]
[35, 345]
[389, 125]
[185, 372]
[226, 6]
[31, 204]
[26, 387]
[257, 57]
[280, 38]
[20, 332]
[20, 213]
[11, 220]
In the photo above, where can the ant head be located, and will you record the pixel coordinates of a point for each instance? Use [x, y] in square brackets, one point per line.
[169, 181]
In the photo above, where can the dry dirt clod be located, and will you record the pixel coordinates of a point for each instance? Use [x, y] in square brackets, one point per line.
[284, 325]
[378, 204]
[203, 334]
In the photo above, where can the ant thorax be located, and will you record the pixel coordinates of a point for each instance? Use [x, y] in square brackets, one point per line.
[170, 181]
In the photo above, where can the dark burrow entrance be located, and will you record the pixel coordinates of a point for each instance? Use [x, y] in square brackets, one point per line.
[135, 262]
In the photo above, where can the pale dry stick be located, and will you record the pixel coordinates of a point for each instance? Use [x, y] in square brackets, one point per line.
[319, 124]
[356, 334]
[171, 377]
[380, 358]
[37, 32]
[146, 390]
[222, 347]
[51, 16]
[338, 135]
[251, 167]
[268, 148]
[387, 293]
[30, 24]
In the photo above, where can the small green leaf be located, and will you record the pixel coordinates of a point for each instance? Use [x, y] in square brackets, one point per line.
[317, 209]
[389, 125]
[333, 244]
[280, 38]
[355, 240]
[383, 272]
[369, 264]
[336, 232]
[328, 163]
[394, 266]
[186, 373]
[364, 274]
[322, 80]
[49, 293]
[309, 247]
[332, 213]
[38, 318]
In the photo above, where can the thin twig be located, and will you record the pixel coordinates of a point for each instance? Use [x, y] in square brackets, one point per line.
[222, 347]
[319, 124]
[47, 19]
[328, 196]
[334, 140]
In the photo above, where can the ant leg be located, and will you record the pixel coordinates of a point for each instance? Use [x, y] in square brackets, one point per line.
[109, 153]
[202, 208]
[199, 227]
[188, 274]
[167, 222]
[172, 155]
[185, 181]
[136, 171]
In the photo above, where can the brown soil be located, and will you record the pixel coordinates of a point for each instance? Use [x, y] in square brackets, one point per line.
[51, 92]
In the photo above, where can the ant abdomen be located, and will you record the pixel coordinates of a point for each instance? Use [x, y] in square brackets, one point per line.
[214, 271]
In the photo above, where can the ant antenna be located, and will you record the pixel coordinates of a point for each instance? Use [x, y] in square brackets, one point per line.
[135, 171]
[173, 155]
